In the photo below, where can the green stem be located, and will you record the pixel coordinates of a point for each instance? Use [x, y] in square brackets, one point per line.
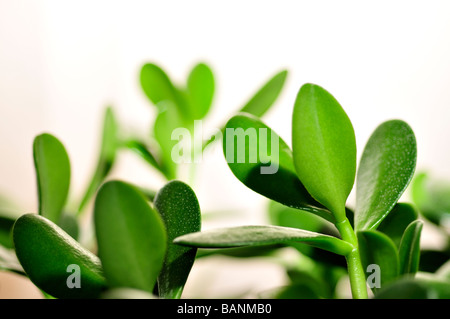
[354, 265]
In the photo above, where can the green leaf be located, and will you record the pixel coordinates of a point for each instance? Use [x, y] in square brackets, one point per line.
[261, 235]
[409, 250]
[158, 87]
[281, 215]
[180, 211]
[399, 218]
[47, 254]
[200, 90]
[261, 160]
[432, 197]
[378, 249]
[107, 155]
[324, 148]
[386, 168]
[265, 97]
[53, 175]
[131, 237]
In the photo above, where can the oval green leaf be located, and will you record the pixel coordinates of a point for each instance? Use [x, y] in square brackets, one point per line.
[397, 220]
[242, 236]
[200, 90]
[266, 96]
[131, 237]
[386, 168]
[53, 175]
[52, 259]
[158, 87]
[409, 250]
[106, 158]
[324, 148]
[378, 251]
[180, 211]
[261, 160]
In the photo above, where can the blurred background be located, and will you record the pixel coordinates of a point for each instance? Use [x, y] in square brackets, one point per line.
[63, 62]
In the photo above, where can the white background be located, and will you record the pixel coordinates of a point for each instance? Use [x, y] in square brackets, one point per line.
[62, 62]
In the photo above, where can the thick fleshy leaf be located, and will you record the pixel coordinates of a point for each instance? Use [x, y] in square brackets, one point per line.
[281, 215]
[409, 250]
[386, 168]
[399, 218]
[261, 235]
[378, 250]
[52, 259]
[180, 211]
[200, 90]
[266, 96]
[172, 145]
[53, 175]
[158, 87]
[432, 197]
[324, 148]
[261, 160]
[131, 237]
[106, 157]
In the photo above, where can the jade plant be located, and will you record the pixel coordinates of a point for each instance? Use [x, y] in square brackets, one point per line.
[57, 251]
[144, 242]
[379, 238]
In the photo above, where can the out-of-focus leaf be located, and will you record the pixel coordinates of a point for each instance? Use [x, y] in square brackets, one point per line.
[200, 90]
[432, 198]
[417, 288]
[265, 97]
[395, 223]
[106, 158]
[52, 174]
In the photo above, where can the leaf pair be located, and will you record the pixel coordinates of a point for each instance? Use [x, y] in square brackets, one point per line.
[392, 261]
[319, 173]
[134, 244]
[180, 107]
[135, 240]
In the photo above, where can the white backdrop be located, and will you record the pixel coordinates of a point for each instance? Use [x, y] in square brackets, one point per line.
[62, 62]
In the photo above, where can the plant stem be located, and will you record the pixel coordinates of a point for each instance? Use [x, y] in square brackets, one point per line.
[354, 265]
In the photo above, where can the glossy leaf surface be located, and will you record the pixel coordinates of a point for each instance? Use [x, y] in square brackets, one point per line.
[263, 162]
[378, 250]
[47, 254]
[261, 235]
[386, 168]
[53, 175]
[180, 211]
[131, 237]
[409, 250]
[106, 157]
[324, 148]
